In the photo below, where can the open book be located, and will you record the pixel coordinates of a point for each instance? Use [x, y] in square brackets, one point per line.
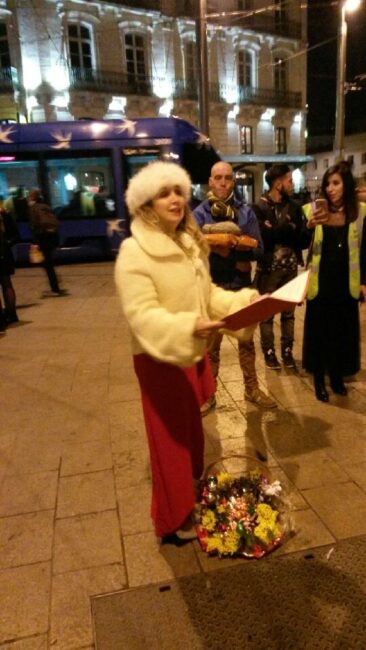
[284, 299]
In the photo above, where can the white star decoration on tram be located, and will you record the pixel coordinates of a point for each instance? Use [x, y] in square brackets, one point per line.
[114, 226]
[4, 135]
[63, 140]
[129, 126]
[202, 138]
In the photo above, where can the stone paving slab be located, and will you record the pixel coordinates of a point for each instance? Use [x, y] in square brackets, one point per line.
[74, 469]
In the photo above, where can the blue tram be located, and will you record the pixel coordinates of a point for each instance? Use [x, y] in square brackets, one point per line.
[82, 169]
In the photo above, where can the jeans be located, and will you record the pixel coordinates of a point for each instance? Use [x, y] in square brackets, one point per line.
[267, 282]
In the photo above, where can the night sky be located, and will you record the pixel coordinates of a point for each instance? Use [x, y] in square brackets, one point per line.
[323, 18]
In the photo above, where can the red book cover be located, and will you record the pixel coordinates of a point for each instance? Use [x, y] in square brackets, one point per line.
[287, 297]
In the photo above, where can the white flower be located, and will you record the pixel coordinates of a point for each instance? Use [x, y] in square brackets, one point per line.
[273, 489]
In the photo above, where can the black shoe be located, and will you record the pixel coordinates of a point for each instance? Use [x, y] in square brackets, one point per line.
[174, 540]
[11, 317]
[320, 390]
[338, 386]
[287, 358]
[271, 360]
[61, 292]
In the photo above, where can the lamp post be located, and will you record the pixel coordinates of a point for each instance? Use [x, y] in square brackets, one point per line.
[344, 6]
[202, 64]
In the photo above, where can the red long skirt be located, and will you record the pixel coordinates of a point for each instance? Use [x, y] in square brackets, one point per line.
[171, 400]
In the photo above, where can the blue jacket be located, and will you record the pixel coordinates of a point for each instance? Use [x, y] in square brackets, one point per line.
[223, 269]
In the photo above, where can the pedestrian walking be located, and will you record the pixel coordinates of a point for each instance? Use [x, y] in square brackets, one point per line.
[44, 224]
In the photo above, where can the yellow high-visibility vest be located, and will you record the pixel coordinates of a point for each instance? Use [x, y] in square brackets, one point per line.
[354, 242]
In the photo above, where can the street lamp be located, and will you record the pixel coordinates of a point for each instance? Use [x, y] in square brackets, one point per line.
[345, 6]
[202, 65]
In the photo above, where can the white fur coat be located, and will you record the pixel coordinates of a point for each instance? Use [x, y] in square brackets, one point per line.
[164, 290]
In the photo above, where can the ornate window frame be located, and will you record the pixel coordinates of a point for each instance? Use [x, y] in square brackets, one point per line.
[139, 29]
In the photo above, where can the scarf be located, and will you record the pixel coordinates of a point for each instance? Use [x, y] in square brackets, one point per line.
[221, 209]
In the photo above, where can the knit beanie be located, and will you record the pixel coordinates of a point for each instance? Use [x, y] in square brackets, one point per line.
[149, 180]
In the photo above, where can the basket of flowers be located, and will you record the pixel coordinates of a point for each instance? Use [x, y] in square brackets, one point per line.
[242, 510]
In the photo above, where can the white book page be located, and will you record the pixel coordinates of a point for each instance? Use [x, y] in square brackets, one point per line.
[295, 290]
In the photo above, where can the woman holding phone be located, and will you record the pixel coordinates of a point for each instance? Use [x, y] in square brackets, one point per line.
[337, 282]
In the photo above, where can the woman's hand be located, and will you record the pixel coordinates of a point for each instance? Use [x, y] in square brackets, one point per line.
[204, 328]
[318, 218]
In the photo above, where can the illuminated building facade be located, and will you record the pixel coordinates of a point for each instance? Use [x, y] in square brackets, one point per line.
[70, 59]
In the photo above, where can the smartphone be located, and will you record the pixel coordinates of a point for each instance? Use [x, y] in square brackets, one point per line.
[321, 204]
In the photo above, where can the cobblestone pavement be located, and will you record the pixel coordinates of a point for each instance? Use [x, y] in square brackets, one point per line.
[74, 470]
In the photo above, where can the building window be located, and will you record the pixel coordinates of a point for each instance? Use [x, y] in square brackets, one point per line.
[280, 14]
[315, 165]
[4, 47]
[245, 68]
[363, 158]
[190, 63]
[135, 57]
[350, 160]
[281, 144]
[280, 74]
[325, 163]
[80, 47]
[245, 5]
[246, 139]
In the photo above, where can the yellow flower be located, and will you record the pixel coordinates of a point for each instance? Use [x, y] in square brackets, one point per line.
[221, 510]
[264, 511]
[266, 529]
[224, 480]
[232, 541]
[209, 520]
[214, 543]
[224, 544]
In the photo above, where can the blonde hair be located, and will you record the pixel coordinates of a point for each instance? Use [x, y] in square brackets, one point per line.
[187, 225]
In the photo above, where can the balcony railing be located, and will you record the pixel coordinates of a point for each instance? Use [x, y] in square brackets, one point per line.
[183, 89]
[120, 83]
[8, 80]
[269, 97]
[110, 82]
[243, 95]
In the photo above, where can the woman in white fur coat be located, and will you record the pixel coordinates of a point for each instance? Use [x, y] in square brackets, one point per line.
[172, 307]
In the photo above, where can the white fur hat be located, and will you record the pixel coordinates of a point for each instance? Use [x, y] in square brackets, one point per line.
[145, 185]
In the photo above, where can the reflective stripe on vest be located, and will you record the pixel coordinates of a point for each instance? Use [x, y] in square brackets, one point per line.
[354, 242]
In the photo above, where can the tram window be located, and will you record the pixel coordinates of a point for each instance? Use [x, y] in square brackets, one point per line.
[17, 177]
[81, 187]
[134, 159]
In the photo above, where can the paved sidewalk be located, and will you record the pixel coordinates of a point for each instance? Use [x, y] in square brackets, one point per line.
[74, 470]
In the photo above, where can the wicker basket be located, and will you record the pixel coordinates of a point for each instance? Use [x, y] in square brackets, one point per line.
[243, 509]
